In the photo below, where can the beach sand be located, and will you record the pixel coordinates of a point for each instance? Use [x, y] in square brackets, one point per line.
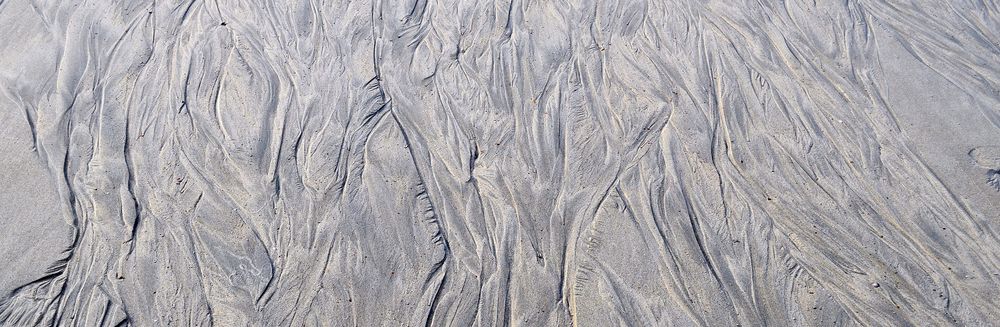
[496, 163]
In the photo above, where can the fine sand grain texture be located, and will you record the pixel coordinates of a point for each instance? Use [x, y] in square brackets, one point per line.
[500, 163]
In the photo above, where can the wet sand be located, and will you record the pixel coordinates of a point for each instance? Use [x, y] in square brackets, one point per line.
[495, 163]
